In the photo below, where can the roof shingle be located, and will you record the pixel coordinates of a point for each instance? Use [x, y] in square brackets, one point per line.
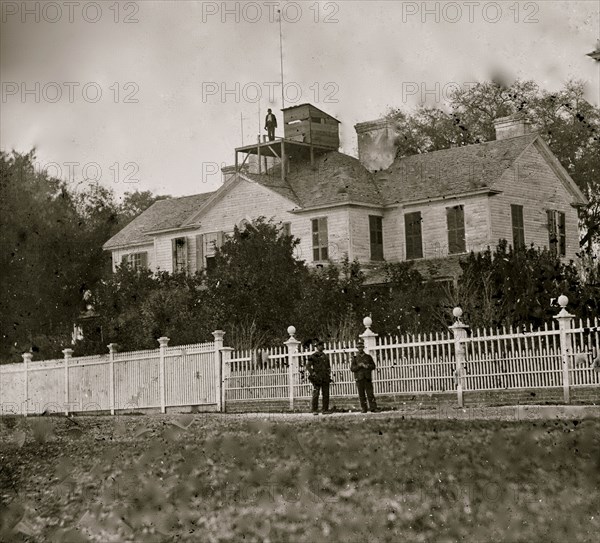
[165, 214]
[335, 178]
[450, 171]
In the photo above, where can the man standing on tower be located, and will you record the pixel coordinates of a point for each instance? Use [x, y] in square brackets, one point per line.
[270, 124]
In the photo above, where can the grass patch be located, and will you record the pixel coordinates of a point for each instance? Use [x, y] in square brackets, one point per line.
[349, 478]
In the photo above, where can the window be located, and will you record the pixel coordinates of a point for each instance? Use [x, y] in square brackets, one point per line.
[376, 236]
[137, 261]
[211, 242]
[179, 248]
[518, 229]
[286, 228]
[320, 239]
[455, 217]
[414, 239]
[557, 234]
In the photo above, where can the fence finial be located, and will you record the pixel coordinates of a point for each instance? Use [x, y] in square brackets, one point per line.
[291, 331]
[457, 312]
[368, 336]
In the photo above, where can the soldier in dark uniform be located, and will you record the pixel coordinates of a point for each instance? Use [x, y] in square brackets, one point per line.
[319, 374]
[362, 366]
[270, 124]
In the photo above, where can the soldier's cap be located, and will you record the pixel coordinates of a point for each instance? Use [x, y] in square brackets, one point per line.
[319, 342]
[360, 342]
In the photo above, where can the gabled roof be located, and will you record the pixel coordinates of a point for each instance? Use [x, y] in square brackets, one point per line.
[297, 106]
[167, 214]
[336, 178]
[449, 172]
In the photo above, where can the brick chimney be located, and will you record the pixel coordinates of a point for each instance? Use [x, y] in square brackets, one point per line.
[512, 126]
[376, 144]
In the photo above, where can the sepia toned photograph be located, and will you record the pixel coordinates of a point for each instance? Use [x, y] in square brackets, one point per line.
[299, 271]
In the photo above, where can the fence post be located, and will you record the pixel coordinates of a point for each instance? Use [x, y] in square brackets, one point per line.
[225, 373]
[368, 336]
[68, 354]
[565, 321]
[218, 335]
[292, 349]
[112, 349]
[459, 329]
[163, 342]
[27, 357]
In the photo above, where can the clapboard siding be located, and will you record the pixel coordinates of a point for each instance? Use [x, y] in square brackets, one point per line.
[533, 184]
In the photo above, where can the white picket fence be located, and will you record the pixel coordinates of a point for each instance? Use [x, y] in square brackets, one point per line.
[564, 353]
[158, 378]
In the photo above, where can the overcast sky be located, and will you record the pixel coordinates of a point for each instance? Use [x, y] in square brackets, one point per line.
[158, 92]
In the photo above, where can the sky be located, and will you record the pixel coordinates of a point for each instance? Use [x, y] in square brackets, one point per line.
[155, 95]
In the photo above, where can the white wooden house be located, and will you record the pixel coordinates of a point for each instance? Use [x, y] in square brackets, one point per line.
[422, 207]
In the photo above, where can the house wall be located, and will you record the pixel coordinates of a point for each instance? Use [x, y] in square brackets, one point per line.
[533, 184]
[360, 233]
[248, 201]
[337, 229]
[117, 254]
[434, 228]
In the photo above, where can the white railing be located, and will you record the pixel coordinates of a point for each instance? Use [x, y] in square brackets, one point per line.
[562, 354]
[584, 340]
[509, 359]
[156, 378]
[411, 364]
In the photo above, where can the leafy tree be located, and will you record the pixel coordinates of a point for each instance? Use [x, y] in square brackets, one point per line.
[40, 262]
[568, 123]
[52, 239]
[134, 203]
[410, 302]
[508, 287]
[256, 281]
[333, 302]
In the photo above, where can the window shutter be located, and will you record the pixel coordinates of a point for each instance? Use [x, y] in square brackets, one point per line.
[199, 252]
[455, 218]
[124, 259]
[174, 251]
[550, 221]
[562, 234]
[376, 237]
[143, 260]
[413, 235]
[188, 255]
[518, 228]
[220, 239]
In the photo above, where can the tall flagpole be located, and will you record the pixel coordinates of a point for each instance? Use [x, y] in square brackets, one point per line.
[242, 126]
[281, 58]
